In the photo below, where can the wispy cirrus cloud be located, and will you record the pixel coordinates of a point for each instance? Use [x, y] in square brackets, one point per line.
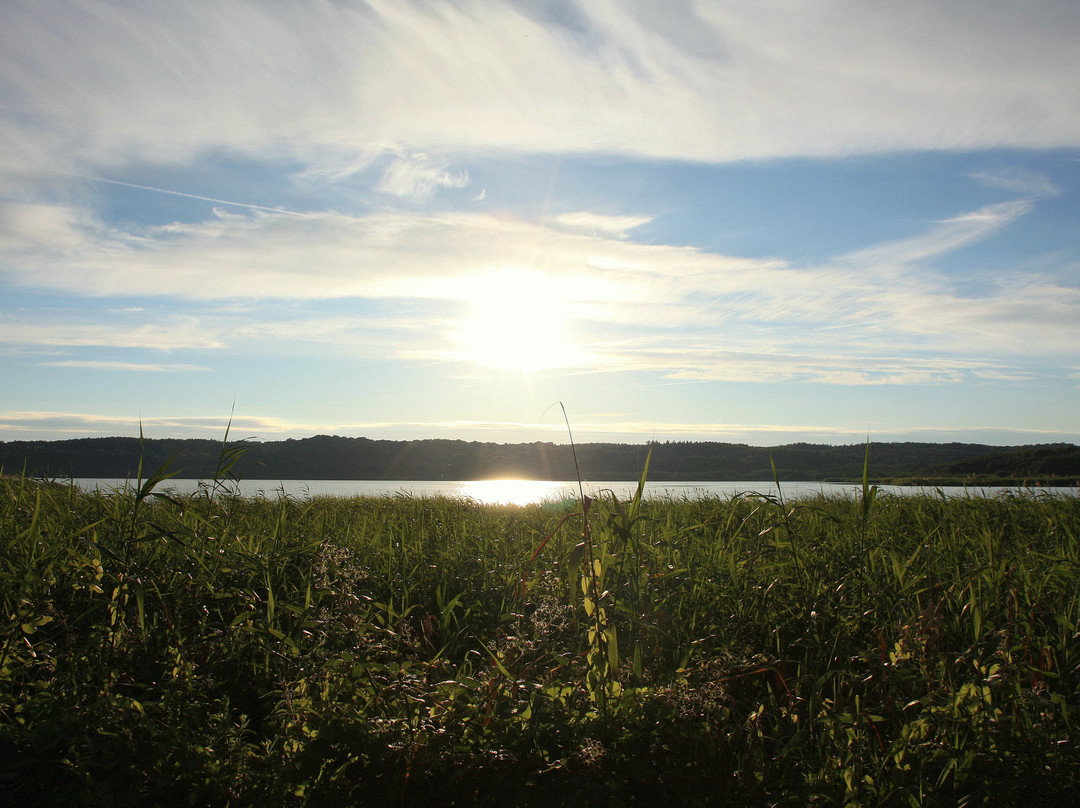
[600, 224]
[1018, 180]
[418, 176]
[715, 81]
[167, 334]
[24, 425]
[706, 315]
[944, 237]
[133, 367]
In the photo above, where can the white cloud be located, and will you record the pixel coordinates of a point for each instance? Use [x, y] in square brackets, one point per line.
[137, 367]
[599, 224]
[100, 84]
[1018, 180]
[27, 425]
[325, 255]
[947, 236]
[28, 229]
[418, 176]
[169, 334]
[671, 309]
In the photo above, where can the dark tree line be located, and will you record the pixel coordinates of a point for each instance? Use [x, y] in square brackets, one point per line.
[1060, 460]
[337, 458]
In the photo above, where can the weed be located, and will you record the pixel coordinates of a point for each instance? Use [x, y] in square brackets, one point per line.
[210, 649]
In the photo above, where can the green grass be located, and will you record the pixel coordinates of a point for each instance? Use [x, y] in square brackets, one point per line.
[399, 651]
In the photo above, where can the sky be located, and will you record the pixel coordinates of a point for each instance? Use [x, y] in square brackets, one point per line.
[755, 222]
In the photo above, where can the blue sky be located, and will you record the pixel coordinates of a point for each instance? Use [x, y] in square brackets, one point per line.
[758, 222]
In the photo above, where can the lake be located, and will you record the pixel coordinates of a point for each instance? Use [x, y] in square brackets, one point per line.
[524, 492]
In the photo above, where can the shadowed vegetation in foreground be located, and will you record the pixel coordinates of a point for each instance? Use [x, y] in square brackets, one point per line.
[751, 651]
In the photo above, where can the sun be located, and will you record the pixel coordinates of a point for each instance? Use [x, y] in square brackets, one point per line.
[517, 321]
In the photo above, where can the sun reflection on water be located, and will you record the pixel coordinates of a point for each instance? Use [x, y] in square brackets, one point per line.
[515, 492]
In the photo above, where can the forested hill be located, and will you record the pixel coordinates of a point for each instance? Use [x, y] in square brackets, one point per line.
[337, 458]
[1031, 462]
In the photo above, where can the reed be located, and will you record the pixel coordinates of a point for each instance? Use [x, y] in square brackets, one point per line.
[209, 649]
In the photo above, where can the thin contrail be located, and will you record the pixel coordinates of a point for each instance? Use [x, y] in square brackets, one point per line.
[249, 205]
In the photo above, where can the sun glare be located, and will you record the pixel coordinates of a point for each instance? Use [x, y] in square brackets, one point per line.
[517, 322]
[515, 492]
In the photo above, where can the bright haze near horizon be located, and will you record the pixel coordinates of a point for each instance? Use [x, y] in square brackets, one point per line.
[757, 222]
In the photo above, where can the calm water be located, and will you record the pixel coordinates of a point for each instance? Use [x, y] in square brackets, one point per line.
[523, 492]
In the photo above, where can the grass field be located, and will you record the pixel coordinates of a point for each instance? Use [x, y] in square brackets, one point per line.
[210, 650]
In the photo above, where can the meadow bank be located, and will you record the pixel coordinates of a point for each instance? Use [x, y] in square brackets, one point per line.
[206, 649]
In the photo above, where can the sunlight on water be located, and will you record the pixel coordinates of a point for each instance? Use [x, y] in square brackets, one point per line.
[531, 492]
[514, 492]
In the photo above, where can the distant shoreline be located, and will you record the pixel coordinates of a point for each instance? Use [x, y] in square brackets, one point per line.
[324, 457]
